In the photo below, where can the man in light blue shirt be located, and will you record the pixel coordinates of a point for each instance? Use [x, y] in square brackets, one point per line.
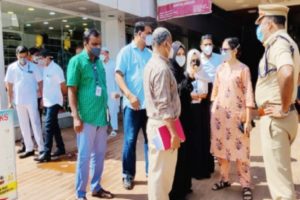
[130, 65]
[209, 60]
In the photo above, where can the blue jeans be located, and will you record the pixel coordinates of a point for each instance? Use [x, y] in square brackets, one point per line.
[91, 144]
[133, 122]
[52, 130]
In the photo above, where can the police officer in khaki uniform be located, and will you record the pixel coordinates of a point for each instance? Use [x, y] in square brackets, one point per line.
[275, 95]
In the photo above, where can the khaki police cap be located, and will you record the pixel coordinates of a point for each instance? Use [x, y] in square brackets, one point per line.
[271, 10]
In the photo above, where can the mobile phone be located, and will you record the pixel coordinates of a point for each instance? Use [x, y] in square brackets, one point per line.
[241, 126]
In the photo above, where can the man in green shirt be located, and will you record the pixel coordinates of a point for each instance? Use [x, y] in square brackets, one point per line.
[88, 101]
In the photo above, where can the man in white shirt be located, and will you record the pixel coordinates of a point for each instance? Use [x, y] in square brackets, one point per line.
[22, 79]
[113, 90]
[54, 88]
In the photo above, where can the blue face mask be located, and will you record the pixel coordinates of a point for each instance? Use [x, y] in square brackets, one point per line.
[259, 34]
[96, 51]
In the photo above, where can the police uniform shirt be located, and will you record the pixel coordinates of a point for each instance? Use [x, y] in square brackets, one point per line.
[278, 55]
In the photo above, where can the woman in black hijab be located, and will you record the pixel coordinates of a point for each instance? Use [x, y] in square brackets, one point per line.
[182, 180]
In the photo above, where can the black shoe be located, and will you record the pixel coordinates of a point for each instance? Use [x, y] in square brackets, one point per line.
[22, 149]
[43, 158]
[58, 153]
[103, 194]
[128, 183]
[26, 154]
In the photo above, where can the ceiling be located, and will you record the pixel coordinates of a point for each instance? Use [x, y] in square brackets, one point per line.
[231, 5]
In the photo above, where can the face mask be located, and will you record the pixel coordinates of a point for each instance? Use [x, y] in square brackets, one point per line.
[102, 57]
[41, 62]
[35, 59]
[259, 34]
[95, 51]
[148, 40]
[226, 56]
[22, 61]
[207, 50]
[180, 60]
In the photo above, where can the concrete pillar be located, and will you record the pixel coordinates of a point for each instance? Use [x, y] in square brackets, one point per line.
[113, 35]
[3, 97]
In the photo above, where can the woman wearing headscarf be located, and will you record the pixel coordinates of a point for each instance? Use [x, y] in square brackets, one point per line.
[182, 180]
[203, 161]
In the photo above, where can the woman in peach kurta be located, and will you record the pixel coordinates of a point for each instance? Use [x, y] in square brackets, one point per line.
[232, 98]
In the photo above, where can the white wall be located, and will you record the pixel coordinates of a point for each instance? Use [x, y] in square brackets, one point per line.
[140, 8]
[3, 99]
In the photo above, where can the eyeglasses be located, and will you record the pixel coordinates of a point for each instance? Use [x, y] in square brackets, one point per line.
[225, 49]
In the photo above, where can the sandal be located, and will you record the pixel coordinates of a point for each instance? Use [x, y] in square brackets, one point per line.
[220, 185]
[247, 193]
[103, 194]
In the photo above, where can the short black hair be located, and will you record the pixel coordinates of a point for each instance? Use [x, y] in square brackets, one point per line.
[277, 19]
[21, 49]
[90, 32]
[139, 26]
[45, 53]
[205, 37]
[79, 46]
[33, 50]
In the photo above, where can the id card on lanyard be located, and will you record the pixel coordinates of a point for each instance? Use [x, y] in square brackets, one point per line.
[98, 91]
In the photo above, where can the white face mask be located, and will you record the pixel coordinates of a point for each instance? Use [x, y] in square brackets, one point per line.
[148, 40]
[180, 60]
[226, 56]
[207, 50]
[22, 61]
[102, 57]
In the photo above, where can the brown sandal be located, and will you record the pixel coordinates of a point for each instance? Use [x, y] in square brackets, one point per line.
[103, 194]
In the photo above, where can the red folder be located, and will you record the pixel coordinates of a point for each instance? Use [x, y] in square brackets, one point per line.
[163, 140]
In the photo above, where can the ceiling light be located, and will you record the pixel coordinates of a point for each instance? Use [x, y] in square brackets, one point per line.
[64, 20]
[45, 23]
[51, 28]
[28, 25]
[84, 24]
[67, 26]
[84, 18]
[52, 13]
[10, 12]
[31, 9]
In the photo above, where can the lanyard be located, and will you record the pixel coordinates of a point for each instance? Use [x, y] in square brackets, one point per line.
[28, 68]
[96, 74]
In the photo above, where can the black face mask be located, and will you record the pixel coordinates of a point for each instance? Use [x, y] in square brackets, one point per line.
[196, 62]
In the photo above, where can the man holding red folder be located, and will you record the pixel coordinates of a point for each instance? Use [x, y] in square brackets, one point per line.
[163, 108]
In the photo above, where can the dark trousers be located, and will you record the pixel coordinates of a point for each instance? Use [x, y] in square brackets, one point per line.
[133, 122]
[53, 130]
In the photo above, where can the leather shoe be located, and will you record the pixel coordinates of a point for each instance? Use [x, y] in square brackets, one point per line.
[26, 154]
[22, 149]
[58, 153]
[103, 194]
[43, 158]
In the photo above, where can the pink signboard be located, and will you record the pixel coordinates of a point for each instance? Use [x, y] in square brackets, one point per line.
[169, 9]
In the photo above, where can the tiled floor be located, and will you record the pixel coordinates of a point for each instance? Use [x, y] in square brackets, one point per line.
[55, 180]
